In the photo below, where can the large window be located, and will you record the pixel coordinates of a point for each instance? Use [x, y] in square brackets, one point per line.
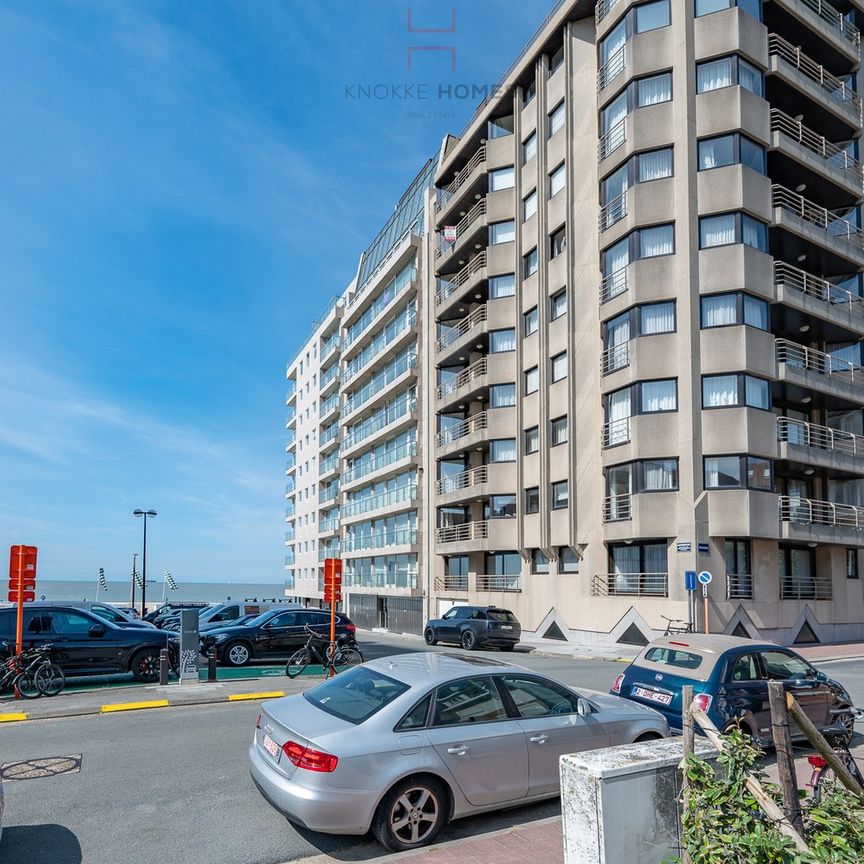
[639, 568]
[735, 389]
[738, 472]
[539, 561]
[557, 180]
[648, 319]
[557, 116]
[500, 127]
[529, 263]
[739, 579]
[503, 563]
[728, 228]
[568, 560]
[726, 310]
[644, 243]
[502, 395]
[751, 7]
[502, 450]
[501, 178]
[798, 577]
[652, 16]
[502, 286]
[502, 340]
[731, 149]
[502, 232]
[643, 397]
[641, 168]
[647, 475]
[638, 94]
[500, 507]
[727, 72]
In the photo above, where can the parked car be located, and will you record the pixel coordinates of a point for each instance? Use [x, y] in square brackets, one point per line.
[730, 678]
[227, 613]
[405, 743]
[474, 627]
[167, 610]
[212, 625]
[85, 644]
[122, 617]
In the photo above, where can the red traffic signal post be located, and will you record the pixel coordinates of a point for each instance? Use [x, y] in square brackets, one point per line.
[22, 585]
[332, 595]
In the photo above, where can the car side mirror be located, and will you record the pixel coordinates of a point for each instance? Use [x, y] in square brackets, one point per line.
[583, 707]
[96, 630]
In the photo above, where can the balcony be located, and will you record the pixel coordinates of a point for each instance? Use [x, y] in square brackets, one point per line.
[739, 586]
[447, 193]
[618, 508]
[463, 228]
[395, 456]
[615, 357]
[603, 8]
[615, 432]
[614, 285]
[461, 430]
[613, 211]
[809, 368]
[463, 379]
[466, 325]
[821, 12]
[328, 526]
[612, 68]
[499, 582]
[329, 378]
[328, 466]
[817, 296]
[451, 583]
[328, 494]
[816, 586]
[378, 308]
[328, 435]
[822, 445]
[463, 480]
[383, 501]
[466, 532]
[328, 408]
[379, 540]
[467, 276]
[613, 139]
[402, 410]
[329, 347]
[378, 384]
[821, 521]
[331, 550]
[390, 338]
[630, 585]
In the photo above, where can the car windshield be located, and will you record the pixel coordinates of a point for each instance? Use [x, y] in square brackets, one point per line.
[206, 612]
[501, 615]
[258, 620]
[355, 695]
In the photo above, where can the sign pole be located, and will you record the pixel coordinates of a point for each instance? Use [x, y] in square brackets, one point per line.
[705, 601]
[332, 595]
[19, 621]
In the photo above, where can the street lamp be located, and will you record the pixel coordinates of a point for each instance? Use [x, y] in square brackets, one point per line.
[145, 514]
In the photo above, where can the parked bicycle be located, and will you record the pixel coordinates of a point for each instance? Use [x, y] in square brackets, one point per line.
[823, 774]
[318, 650]
[676, 625]
[32, 672]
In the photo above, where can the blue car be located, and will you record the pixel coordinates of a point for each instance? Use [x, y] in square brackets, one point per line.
[730, 676]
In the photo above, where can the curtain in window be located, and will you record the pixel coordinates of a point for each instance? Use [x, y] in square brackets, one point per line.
[713, 75]
[502, 340]
[716, 230]
[752, 155]
[659, 396]
[657, 318]
[616, 39]
[502, 286]
[617, 339]
[722, 472]
[502, 232]
[749, 77]
[625, 566]
[653, 166]
[719, 310]
[502, 396]
[716, 152]
[619, 409]
[503, 450]
[756, 392]
[719, 390]
[755, 312]
[616, 258]
[654, 90]
[614, 112]
[656, 241]
[753, 233]
[658, 474]
[846, 491]
[654, 561]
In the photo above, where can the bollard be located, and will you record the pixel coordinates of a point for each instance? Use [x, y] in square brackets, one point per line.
[211, 665]
[163, 666]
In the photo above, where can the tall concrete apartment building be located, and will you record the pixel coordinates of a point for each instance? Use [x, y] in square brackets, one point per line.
[638, 332]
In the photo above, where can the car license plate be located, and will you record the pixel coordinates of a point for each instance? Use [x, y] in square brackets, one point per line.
[652, 695]
[506, 627]
[270, 746]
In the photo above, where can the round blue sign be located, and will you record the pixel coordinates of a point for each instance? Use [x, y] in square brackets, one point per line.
[704, 577]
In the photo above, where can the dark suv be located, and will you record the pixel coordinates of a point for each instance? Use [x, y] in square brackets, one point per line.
[84, 643]
[473, 626]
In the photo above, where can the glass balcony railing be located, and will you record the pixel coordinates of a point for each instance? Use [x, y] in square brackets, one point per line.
[392, 331]
[328, 464]
[328, 493]
[332, 374]
[379, 420]
[328, 434]
[380, 540]
[387, 376]
[402, 282]
[356, 506]
[388, 457]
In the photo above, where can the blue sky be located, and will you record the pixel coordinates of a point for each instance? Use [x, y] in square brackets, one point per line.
[183, 186]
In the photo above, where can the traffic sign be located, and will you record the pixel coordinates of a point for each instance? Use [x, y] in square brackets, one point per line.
[704, 578]
[690, 580]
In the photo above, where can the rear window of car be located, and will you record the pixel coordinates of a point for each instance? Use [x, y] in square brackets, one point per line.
[355, 695]
[501, 615]
[673, 657]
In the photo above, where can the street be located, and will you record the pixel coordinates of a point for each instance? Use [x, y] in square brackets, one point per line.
[172, 785]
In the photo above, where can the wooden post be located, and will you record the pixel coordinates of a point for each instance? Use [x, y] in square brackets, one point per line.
[785, 758]
[815, 737]
[688, 738]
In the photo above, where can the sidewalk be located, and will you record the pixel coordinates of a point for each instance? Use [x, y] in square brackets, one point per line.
[837, 651]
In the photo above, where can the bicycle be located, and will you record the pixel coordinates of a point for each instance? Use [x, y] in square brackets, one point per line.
[17, 674]
[48, 675]
[345, 654]
[676, 625]
[824, 774]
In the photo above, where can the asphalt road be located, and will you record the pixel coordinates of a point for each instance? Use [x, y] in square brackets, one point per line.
[172, 785]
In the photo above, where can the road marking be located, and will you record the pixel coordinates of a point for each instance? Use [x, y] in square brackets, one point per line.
[134, 706]
[12, 718]
[242, 697]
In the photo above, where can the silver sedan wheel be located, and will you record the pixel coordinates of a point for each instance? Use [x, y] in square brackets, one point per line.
[238, 655]
[415, 814]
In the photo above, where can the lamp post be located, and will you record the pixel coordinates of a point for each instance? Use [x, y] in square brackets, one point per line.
[145, 514]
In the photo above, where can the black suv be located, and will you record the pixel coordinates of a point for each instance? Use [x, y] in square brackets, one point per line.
[275, 634]
[84, 643]
[473, 626]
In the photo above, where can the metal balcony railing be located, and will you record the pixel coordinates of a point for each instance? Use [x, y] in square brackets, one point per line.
[802, 357]
[478, 316]
[384, 378]
[615, 357]
[615, 432]
[613, 211]
[829, 14]
[478, 210]
[805, 434]
[447, 192]
[388, 457]
[498, 582]
[812, 586]
[447, 286]
[461, 533]
[466, 376]
[739, 586]
[612, 140]
[451, 583]
[833, 224]
[630, 584]
[380, 540]
[381, 418]
[612, 68]
[406, 319]
[614, 284]
[356, 506]
[835, 87]
[807, 511]
[463, 480]
[603, 8]
[617, 508]
[460, 430]
[793, 278]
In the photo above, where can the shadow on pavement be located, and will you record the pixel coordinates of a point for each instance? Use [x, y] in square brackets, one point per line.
[39, 844]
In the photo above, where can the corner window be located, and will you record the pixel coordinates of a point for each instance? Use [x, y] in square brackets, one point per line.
[558, 242]
[736, 389]
[502, 450]
[502, 286]
[532, 500]
[529, 92]
[556, 119]
[738, 472]
[652, 16]
[559, 366]
[502, 178]
[539, 562]
[728, 228]
[653, 90]
[529, 205]
[532, 440]
[751, 7]
[530, 321]
[532, 380]
[643, 397]
[659, 240]
[558, 431]
[568, 560]
[529, 148]
[731, 149]
[501, 341]
[501, 507]
[558, 304]
[557, 180]
[560, 495]
[502, 232]
[500, 127]
[502, 395]
[726, 310]
[728, 72]
[555, 60]
[529, 263]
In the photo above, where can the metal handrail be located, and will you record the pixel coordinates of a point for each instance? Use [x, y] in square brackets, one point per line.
[739, 586]
[445, 246]
[447, 286]
[615, 432]
[498, 582]
[832, 223]
[618, 508]
[817, 586]
[615, 357]
[614, 284]
[612, 68]
[447, 192]
[806, 434]
[382, 380]
[603, 8]
[793, 278]
[808, 511]
[802, 357]
[613, 211]
[612, 140]
[388, 457]
[451, 583]
[828, 13]
[478, 316]
[630, 584]
[460, 533]
[475, 370]
[400, 495]
[463, 480]
[472, 424]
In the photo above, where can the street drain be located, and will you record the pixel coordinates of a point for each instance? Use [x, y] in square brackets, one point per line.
[31, 769]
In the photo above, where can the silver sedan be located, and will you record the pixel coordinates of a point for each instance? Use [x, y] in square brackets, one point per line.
[406, 743]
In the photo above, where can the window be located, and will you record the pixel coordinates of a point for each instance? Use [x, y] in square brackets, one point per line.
[502, 450]
[558, 242]
[568, 560]
[503, 563]
[456, 565]
[501, 507]
[641, 168]
[532, 380]
[658, 396]
[529, 148]
[556, 119]
[673, 657]
[529, 205]
[652, 16]
[529, 92]
[639, 567]
[724, 310]
[653, 90]
[558, 304]
[529, 263]
[659, 240]
[532, 500]
[502, 232]
[356, 694]
[739, 581]
[502, 286]
[559, 366]
[799, 580]
[659, 475]
[647, 475]
[499, 127]
[751, 7]
[724, 391]
[539, 561]
[558, 431]
[851, 563]
[780, 666]
[502, 395]
[501, 178]
[728, 228]
[556, 59]
[469, 701]
[534, 697]
[557, 180]
[727, 72]
[71, 623]
[731, 149]
[416, 717]
[502, 340]
[532, 440]
[560, 495]
[738, 472]
[530, 321]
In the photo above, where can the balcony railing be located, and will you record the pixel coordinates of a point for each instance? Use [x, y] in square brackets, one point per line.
[630, 585]
[328, 405]
[356, 506]
[329, 346]
[821, 437]
[498, 582]
[616, 432]
[331, 551]
[380, 540]
[328, 493]
[329, 434]
[813, 586]
[406, 319]
[613, 211]
[388, 457]
[447, 286]
[829, 14]
[462, 480]
[807, 511]
[612, 140]
[451, 583]
[792, 278]
[332, 374]
[739, 586]
[612, 68]
[478, 210]
[379, 382]
[466, 376]
[462, 533]
[834, 224]
[615, 357]
[462, 429]
[328, 464]
[835, 87]
[603, 8]
[384, 417]
[802, 357]
[617, 508]
[614, 285]
[478, 316]
[327, 525]
[447, 192]
[394, 288]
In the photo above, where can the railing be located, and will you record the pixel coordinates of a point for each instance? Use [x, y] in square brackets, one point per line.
[461, 533]
[612, 68]
[807, 511]
[289, 535]
[603, 8]
[289, 558]
[478, 316]
[617, 508]
[615, 357]
[460, 430]
[498, 582]
[327, 525]
[328, 435]
[824, 10]
[615, 432]
[739, 586]
[612, 140]
[630, 584]
[813, 586]
[405, 320]
[328, 464]
[613, 211]
[355, 506]
[447, 192]
[478, 210]
[331, 551]
[802, 357]
[475, 370]
[463, 480]
[380, 540]
[290, 463]
[614, 284]
[381, 418]
[834, 86]
[328, 493]
[399, 285]
[379, 382]
[792, 278]
[822, 437]
[834, 156]
[451, 583]
[388, 457]
[332, 374]
[290, 508]
[447, 286]
[328, 405]
[828, 221]
[329, 346]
